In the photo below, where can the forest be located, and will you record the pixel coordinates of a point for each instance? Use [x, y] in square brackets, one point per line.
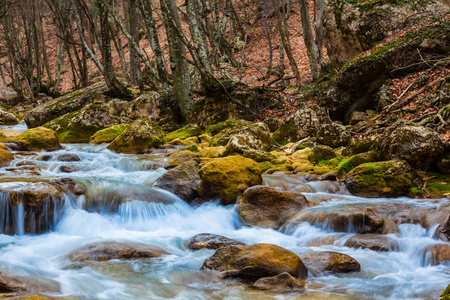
[225, 149]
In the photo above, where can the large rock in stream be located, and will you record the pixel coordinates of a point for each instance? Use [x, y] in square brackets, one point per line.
[210, 241]
[255, 261]
[375, 242]
[35, 139]
[267, 207]
[283, 282]
[329, 262]
[7, 118]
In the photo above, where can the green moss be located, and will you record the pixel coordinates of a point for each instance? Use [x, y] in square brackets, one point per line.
[438, 185]
[352, 162]
[107, 135]
[287, 132]
[321, 153]
[193, 148]
[228, 124]
[415, 192]
[446, 294]
[182, 133]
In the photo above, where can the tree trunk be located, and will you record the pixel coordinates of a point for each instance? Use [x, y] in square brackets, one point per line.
[133, 29]
[314, 55]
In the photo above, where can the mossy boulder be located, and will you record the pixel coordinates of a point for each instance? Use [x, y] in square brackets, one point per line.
[333, 135]
[70, 102]
[348, 164]
[103, 251]
[182, 181]
[267, 207]
[36, 139]
[419, 146]
[445, 294]
[212, 152]
[232, 127]
[138, 137]
[79, 126]
[375, 242]
[255, 261]
[283, 282]
[179, 157]
[258, 156]
[183, 133]
[301, 124]
[7, 118]
[5, 157]
[228, 177]
[254, 137]
[329, 262]
[443, 163]
[380, 179]
[107, 135]
[210, 241]
[146, 106]
[360, 146]
[321, 153]
[228, 124]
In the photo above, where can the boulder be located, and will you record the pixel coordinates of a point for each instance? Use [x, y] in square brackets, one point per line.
[7, 118]
[443, 163]
[283, 282]
[40, 205]
[380, 179]
[183, 133]
[360, 146]
[102, 251]
[348, 164]
[229, 124]
[210, 241]
[182, 181]
[438, 254]
[70, 184]
[301, 124]
[5, 157]
[375, 242]
[255, 261]
[267, 207]
[138, 137]
[333, 135]
[36, 139]
[212, 152]
[67, 157]
[354, 27]
[419, 146]
[358, 116]
[445, 294]
[329, 262]
[321, 153]
[146, 106]
[71, 102]
[107, 135]
[179, 157]
[117, 107]
[228, 177]
[73, 168]
[8, 96]
[254, 137]
[16, 284]
[79, 126]
[258, 156]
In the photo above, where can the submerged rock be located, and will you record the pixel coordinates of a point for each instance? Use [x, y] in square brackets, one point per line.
[67, 157]
[15, 284]
[103, 251]
[329, 262]
[70, 184]
[140, 136]
[255, 261]
[210, 241]
[437, 254]
[183, 181]
[375, 242]
[283, 282]
[267, 207]
[228, 177]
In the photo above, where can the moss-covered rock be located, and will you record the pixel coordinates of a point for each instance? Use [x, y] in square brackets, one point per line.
[228, 177]
[255, 261]
[445, 294]
[267, 207]
[212, 152]
[301, 124]
[7, 118]
[333, 135]
[360, 146]
[258, 156]
[178, 157]
[228, 124]
[138, 137]
[380, 179]
[417, 145]
[183, 133]
[321, 153]
[79, 126]
[348, 164]
[36, 139]
[254, 137]
[283, 282]
[329, 262]
[5, 157]
[107, 135]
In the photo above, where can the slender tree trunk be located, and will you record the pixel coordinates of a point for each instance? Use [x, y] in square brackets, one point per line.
[133, 29]
[314, 55]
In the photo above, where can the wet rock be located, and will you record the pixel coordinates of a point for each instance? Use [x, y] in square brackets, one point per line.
[419, 146]
[329, 240]
[41, 204]
[255, 261]
[183, 133]
[251, 138]
[79, 126]
[107, 135]
[329, 262]
[73, 168]
[358, 116]
[228, 177]
[68, 157]
[8, 96]
[380, 179]
[375, 242]
[70, 184]
[7, 118]
[140, 136]
[283, 282]
[30, 170]
[212, 152]
[9, 132]
[443, 163]
[321, 153]
[333, 135]
[15, 284]
[5, 157]
[210, 241]
[36, 139]
[44, 157]
[301, 124]
[71, 102]
[179, 157]
[445, 294]
[267, 207]
[103, 251]
[182, 181]
[438, 254]
[29, 296]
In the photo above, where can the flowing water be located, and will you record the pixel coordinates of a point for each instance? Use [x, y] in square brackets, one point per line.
[167, 221]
